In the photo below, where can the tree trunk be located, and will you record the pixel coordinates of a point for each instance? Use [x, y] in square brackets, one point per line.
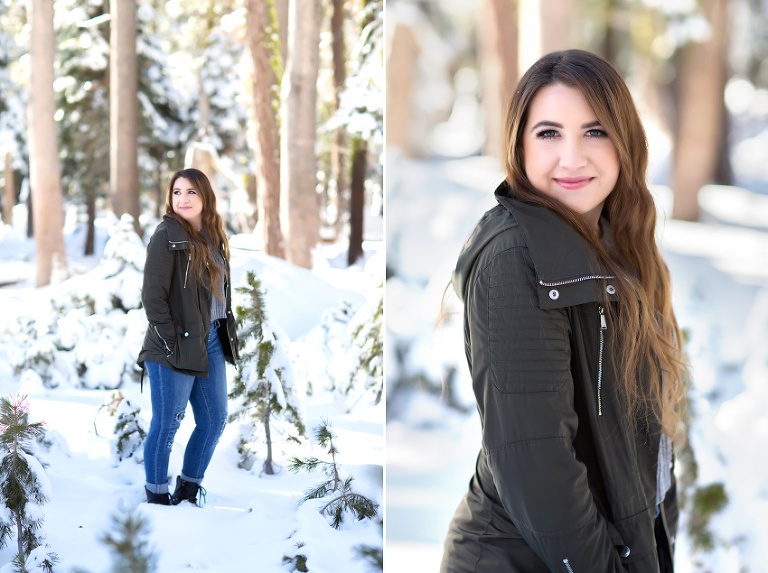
[402, 51]
[357, 199]
[259, 22]
[299, 205]
[44, 168]
[497, 39]
[545, 26]
[9, 194]
[339, 190]
[124, 111]
[700, 113]
[90, 202]
[268, 469]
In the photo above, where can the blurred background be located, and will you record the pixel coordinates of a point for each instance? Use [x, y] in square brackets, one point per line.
[699, 75]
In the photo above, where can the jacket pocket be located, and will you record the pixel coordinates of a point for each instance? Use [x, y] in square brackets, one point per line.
[165, 343]
[191, 350]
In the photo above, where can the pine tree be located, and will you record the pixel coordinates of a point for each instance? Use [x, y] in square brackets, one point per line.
[24, 483]
[263, 382]
[368, 338]
[128, 544]
[343, 500]
[130, 433]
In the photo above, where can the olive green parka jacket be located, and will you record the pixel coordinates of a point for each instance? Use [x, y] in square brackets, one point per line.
[563, 481]
[178, 307]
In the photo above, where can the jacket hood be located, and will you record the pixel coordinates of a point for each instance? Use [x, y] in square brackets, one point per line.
[559, 253]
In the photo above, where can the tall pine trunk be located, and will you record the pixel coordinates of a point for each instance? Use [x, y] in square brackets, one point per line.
[124, 111]
[497, 41]
[357, 201]
[299, 204]
[337, 150]
[259, 21]
[9, 192]
[700, 113]
[44, 168]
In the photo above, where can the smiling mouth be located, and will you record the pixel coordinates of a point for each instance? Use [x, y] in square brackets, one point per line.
[573, 182]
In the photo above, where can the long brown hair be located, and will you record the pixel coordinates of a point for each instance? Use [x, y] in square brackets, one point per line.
[200, 252]
[651, 366]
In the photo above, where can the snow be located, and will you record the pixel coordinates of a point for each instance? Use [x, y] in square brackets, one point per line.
[249, 520]
[720, 291]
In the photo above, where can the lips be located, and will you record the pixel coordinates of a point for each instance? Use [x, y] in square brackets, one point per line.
[573, 182]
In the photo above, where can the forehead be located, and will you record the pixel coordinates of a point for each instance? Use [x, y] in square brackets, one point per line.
[561, 103]
[183, 183]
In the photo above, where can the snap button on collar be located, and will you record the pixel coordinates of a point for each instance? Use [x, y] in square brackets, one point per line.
[554, 294]
[610, 289]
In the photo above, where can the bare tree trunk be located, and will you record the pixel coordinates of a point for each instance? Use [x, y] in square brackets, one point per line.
[299, 205]
[268, 469]
[545, 26]
[124, 111]
[90, 202]
[337, 151]
[402, 51]
[259, 23]
[497, 39]
[9, 194]
[357, 199]
[700, 113]
[44, 168]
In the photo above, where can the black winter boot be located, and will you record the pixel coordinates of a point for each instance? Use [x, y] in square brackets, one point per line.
[186, 491]
[158, 498]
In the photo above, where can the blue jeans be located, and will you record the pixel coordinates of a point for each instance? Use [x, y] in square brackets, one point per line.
[170, 392]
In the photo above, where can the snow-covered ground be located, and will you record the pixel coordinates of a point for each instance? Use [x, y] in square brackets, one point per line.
[720, 282]
[249, 520]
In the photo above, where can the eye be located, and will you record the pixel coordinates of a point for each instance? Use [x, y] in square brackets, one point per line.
[596, 133]
[546, 134]
[176, 192]
[192, 192]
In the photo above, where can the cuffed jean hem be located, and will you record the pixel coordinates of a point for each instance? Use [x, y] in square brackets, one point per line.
[157, 487]
[198, 481]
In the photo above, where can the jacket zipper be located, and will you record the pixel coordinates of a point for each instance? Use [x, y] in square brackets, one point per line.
[603, 328]
[568, 567]
[160, 336]
[189, 258]
[576, 280]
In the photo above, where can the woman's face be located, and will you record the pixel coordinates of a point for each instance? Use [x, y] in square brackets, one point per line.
[567, 154]
[187, 202]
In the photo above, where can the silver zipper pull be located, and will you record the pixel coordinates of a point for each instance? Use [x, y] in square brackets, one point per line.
[603, 324]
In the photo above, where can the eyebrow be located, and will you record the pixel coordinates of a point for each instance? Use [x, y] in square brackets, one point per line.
[546, 123]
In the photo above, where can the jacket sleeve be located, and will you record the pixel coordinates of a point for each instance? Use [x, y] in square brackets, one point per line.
[520, 360]
[155, 291]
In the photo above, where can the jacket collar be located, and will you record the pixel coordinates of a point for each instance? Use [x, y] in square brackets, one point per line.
[177, 236]
[567, 269]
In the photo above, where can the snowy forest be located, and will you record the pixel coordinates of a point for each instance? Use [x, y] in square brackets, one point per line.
[281, 104]
[697, 72]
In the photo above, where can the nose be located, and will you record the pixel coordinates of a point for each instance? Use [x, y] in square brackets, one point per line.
[572, 155]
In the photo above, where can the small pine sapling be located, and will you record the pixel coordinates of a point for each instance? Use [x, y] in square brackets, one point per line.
[368, 342]
[130, 433]
[372, 556]
[262, 383]
[343, 499]
[129, 546]
[24, 483]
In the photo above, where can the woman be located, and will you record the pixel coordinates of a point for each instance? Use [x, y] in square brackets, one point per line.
[572, 344]
[191, 332]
